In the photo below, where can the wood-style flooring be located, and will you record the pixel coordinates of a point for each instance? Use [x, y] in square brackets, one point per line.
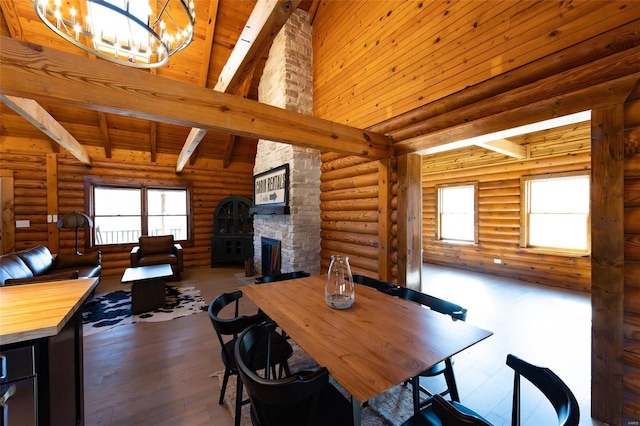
[158, 373]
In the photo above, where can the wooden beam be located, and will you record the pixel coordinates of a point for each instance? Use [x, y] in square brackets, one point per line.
[208, 42]
[39, 72]
[599, 95]
[264, 23]
[11, 17]
[104, 131]
[266, 19]
[313, 11]
[506, 147]
[204, 73]
[36, 115]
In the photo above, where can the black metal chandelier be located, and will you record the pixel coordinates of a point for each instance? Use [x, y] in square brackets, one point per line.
[132, 33]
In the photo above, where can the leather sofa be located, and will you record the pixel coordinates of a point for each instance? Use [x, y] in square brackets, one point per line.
[37, 264]
[156, 250]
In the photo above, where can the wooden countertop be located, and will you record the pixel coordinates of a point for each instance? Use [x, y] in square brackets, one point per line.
[33, 311]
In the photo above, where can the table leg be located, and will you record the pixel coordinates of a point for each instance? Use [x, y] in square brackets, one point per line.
[355, 404]
[147, 295]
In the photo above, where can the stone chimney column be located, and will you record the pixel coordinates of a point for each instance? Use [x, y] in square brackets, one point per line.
[287, 82]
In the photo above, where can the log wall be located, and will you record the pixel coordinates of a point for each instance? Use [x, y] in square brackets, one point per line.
[355, 214]
[631, 343]
[31, 191]
[559, 150]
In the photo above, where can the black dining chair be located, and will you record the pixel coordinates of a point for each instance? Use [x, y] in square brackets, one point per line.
[281, 277]
[439, 411]
[302, 398]
[445, 367]
[228, 329]
[372, 282]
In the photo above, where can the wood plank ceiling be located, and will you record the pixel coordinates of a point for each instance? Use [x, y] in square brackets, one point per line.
[219, 24]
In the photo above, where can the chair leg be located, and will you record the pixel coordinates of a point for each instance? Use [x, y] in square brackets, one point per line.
[223, 389]
[415, 387]
[451, 380]
[238, 401]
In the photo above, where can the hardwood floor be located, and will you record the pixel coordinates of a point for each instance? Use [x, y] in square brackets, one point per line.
[158, 373]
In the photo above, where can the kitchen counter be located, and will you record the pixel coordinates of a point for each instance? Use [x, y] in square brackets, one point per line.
[33, 311]
[41, 343]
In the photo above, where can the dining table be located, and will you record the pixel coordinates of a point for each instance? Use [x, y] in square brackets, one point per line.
[379, 342]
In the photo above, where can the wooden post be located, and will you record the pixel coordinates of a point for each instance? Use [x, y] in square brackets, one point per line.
[410, 221]
[384, 234]
[607, 262]
[52, 201]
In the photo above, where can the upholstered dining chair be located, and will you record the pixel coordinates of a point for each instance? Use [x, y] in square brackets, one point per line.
[439, 411]
[302, 398]
[228, 328]
[445, 367]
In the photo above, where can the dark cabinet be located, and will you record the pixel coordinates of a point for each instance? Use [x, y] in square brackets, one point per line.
[232, 239]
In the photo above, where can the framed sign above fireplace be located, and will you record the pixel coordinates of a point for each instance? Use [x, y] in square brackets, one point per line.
[271, 191]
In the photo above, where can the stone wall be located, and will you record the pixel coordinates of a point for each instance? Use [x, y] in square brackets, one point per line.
[287, 82]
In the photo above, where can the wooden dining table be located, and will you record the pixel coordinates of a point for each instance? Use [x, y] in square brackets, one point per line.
[380, 342]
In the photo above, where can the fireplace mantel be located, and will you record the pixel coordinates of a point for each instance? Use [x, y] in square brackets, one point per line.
[270, 210]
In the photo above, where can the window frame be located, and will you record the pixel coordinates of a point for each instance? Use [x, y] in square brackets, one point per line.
[525, 203]
[90, 182]
[439, 188]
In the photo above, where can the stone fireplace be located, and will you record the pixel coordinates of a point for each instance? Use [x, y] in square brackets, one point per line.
[287, 82]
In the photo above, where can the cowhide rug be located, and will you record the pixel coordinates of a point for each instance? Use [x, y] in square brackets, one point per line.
[112, 309]
[393, 407]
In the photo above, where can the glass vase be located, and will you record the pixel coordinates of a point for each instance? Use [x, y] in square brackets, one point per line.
[339, 291]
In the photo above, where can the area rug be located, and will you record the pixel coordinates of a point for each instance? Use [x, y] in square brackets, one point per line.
[391, 408]
[104, 312]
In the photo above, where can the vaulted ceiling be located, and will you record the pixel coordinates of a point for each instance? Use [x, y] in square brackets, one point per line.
[219, 24]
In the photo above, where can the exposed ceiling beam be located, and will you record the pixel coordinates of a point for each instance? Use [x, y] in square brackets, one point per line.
[206, 58]
[104, 131]
[42, 73]
[11, 17]
[266, 19]
[15, 29]
[603, 94]
[36, 115]
[264, 23]
[313, 11]
[505, 147]
[243, 91]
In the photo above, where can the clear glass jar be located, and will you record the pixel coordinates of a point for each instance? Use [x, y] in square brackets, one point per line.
[339, 291]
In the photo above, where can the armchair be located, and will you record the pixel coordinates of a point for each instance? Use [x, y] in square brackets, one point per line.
[156, 250]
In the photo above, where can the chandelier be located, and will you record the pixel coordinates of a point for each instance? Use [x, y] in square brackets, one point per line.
[132, 33]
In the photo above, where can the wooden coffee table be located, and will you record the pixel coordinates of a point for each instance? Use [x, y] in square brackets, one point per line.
[147, 288]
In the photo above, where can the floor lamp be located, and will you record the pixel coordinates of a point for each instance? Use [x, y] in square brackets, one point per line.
[75, 220]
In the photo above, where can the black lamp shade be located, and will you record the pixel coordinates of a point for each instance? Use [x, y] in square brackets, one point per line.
[75, 220]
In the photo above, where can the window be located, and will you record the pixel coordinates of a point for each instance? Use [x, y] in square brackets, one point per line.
[556, 212]
[457, 213]
[123, 213]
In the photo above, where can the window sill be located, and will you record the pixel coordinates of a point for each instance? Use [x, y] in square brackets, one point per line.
[551, 252]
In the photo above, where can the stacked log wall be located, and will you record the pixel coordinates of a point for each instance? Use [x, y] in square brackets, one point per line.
[631, 353]
[209, 185]
[350, 213]
[499, 198]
